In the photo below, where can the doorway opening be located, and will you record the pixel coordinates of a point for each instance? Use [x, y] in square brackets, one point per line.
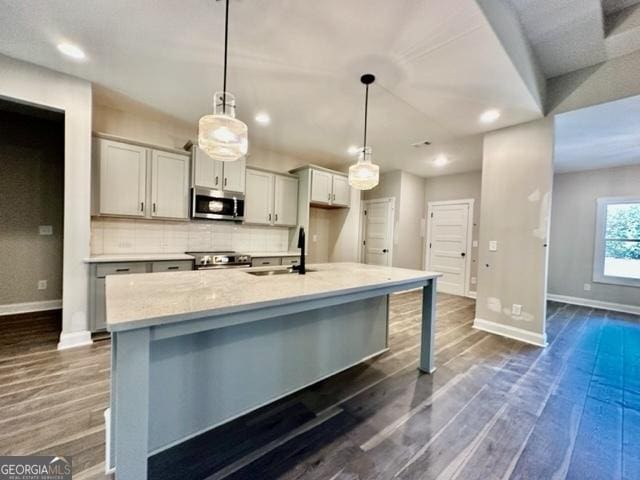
[31, 219]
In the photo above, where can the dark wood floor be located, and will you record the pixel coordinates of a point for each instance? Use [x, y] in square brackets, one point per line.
[495, 408]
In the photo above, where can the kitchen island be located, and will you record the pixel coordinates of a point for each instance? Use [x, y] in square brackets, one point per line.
[193, 350]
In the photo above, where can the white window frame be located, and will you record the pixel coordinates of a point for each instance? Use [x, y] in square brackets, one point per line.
[599, 254]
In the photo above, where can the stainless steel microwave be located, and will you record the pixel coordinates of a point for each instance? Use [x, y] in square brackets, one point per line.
[216, 204]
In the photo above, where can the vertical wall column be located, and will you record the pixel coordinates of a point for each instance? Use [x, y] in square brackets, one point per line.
[517, 179]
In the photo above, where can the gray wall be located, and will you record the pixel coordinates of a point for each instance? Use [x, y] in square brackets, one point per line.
[573, 218]
[457, 187]
[408, 190]
[517, 177]
[31, 194]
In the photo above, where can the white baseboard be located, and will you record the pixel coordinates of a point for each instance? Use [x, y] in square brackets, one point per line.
[587, 302]
[74, 339]
[27, 307]
[472, 294]
[537, 339]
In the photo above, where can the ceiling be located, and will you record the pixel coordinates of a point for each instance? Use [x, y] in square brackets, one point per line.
[602, 136]
[301, 63]
[569, 35]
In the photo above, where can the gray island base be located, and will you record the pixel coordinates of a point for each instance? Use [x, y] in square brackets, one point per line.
[193, 350]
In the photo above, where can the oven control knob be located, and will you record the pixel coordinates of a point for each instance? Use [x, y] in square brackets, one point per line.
[205, 260]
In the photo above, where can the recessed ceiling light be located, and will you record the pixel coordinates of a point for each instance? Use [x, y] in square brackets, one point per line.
[490, 116]
[71, 51]
[263, 118]
[353, 150]
[441, 160]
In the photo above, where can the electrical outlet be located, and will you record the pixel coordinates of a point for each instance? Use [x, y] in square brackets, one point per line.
[493, 245]
[516, 309]
[45, 230]
[474, 280]
[42, 284]
[587, 287]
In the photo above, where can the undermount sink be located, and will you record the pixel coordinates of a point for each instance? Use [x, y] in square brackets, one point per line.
[264, 273]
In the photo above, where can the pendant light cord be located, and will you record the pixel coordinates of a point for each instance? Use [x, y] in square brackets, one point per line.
[366, 107]
[226, 41]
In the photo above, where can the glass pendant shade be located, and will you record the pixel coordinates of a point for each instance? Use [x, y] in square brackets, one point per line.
[221, 135]
[364, 175]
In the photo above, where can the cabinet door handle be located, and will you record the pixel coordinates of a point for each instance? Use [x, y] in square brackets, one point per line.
[329, 197]
[269, 217]
[142, 206]
[122, 269]
[217, 180]
[334, 197]
[276, 217]
[154, 207]
[173, 267]
[225, 181]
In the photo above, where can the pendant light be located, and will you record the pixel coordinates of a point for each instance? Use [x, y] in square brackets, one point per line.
[221, 135]
[365, 175]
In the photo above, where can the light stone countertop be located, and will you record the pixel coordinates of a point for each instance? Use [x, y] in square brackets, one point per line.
[137, 257]
[157, 257]
[142, 300]
[272, 254]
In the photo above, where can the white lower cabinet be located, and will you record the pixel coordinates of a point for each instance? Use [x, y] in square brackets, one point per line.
[136, 181]
[271, 199]
[97, 280]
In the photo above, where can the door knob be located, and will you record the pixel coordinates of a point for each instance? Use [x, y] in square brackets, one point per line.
[463, 254]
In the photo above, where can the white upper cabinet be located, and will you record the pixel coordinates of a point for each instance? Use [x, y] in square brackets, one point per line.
[216, 175]
[169, 185]
[321, 185]
[258, 204]
[330, 189]
[136, 181]
[234, 175]
[285, 201]
[341, 191]
[122, 178]
[271, 199]
[207, 172]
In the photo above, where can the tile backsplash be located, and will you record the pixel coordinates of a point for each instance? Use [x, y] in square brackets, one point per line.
[113, 236]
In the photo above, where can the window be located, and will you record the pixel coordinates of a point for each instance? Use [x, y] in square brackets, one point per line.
[617, 255]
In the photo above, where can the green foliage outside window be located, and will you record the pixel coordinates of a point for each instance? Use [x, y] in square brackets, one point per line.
[623, 225]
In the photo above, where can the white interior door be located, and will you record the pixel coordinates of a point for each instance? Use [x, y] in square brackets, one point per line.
[378, 232]
[448, 242]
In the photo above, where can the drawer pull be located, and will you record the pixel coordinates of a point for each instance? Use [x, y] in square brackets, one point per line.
[266, 263]
[173, 267]
[122, 269]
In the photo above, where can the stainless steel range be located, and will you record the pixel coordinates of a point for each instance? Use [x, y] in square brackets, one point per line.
[219, 260]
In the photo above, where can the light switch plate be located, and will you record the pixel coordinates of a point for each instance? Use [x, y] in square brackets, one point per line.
[493, 245]
[42, 284]
[45, 230]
